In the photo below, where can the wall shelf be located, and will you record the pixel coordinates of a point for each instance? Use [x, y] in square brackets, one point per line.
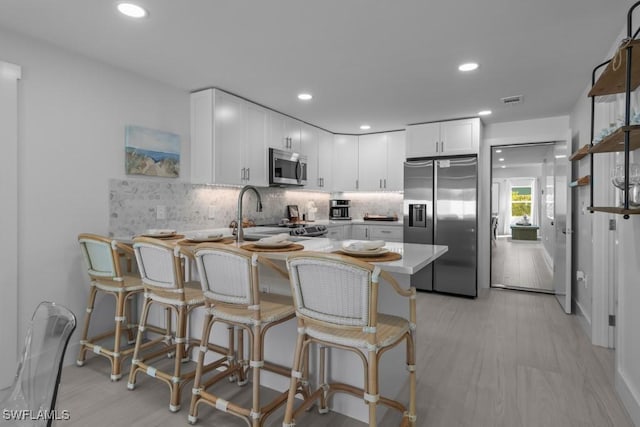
[621, 74]
[609, 209]
[615, 141]
[581, 182]
[611, 82]
[581, 153]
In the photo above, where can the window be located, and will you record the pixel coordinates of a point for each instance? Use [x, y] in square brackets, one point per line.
[521, 201]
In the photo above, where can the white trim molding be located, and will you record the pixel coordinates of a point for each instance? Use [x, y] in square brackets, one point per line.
[9, 76]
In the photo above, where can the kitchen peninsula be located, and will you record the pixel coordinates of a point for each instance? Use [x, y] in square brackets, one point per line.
[344, 365]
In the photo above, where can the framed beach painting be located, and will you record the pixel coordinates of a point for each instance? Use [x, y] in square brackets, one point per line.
[151, 152]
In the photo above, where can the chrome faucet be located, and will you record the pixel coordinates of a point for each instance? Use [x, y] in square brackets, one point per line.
[240, 234]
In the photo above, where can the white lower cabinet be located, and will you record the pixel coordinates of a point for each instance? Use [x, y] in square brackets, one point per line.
[335, 232]
[376, 232]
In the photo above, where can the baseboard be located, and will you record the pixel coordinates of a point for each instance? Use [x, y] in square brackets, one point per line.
[629, 397]
[583, 318]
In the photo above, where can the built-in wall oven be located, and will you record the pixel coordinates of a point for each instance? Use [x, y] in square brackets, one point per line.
[286, 168]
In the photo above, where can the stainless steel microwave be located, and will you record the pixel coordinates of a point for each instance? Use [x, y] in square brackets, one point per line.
[286, 168]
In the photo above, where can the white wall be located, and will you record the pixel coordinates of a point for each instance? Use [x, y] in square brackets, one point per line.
[71, 141]
[9, 78]
[609, 259]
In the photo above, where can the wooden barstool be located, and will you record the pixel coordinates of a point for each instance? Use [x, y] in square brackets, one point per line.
[161, 267]
[336, 300]
[103, 259]
[229, 278]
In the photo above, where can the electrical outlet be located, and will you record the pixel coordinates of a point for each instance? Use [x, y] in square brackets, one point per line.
[161, 212]
[212, 212]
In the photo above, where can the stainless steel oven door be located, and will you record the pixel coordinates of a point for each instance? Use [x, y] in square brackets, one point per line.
[287, 168]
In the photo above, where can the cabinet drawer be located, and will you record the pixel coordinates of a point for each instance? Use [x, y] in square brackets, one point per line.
[389, 234]
[335, 233]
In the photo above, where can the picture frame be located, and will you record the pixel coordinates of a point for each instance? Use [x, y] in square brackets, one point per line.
[151, 152]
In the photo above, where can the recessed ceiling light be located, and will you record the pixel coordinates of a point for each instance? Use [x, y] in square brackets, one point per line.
[469, 66]
[498, 151]
[561, 156]
[132, 10]
[503, 166]
[365, 127]
[305, 96]
[484, 112]
[501, 159]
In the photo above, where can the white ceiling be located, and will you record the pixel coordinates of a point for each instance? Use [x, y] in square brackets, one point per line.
[386, 63]
[522, 156]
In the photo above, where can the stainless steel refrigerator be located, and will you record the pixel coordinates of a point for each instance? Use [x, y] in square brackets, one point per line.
[440, 207]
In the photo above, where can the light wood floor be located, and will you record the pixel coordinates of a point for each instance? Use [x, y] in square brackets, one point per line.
[520, 264]
[506, 359]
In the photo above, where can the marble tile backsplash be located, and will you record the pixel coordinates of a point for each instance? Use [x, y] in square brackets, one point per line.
[373, 204]
[133, 205]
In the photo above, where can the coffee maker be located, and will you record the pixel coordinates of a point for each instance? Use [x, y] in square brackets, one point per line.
[339, 209]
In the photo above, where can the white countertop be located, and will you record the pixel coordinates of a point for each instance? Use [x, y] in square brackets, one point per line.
[414, 256]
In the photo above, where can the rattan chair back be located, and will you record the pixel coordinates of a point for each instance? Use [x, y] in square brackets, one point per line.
[101, 256]
[160, 264]
[228, 274]
[332, 288]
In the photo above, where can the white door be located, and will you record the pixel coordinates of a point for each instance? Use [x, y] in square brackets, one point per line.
[562, 270]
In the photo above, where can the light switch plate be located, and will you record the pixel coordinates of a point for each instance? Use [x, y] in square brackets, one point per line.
[161, 212]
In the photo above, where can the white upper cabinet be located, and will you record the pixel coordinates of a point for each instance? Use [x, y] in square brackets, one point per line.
[255, 154]
[395, 160]
[372, 161]
[345, 163]
[317, 145]
[443, 138]
[284, 133]
[227, 140]
[309, 148]
[325, 160]
[381, 161]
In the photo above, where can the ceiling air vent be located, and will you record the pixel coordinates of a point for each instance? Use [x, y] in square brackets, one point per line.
[512, 100]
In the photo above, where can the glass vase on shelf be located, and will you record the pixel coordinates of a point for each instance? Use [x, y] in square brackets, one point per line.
[617, 179]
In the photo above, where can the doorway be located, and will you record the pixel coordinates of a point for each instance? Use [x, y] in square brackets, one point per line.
[523, 216]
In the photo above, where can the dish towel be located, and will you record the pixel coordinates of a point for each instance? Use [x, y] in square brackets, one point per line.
[365, 246]
[278, 238]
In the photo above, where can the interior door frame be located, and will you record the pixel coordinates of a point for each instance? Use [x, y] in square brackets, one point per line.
[492, 149]
[566, 280]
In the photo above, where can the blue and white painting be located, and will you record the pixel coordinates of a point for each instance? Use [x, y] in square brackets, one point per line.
[151, 152]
